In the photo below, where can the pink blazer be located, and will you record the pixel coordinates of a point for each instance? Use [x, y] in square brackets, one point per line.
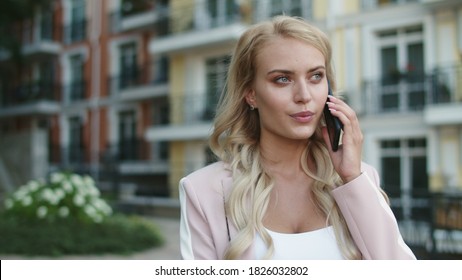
[204, 227]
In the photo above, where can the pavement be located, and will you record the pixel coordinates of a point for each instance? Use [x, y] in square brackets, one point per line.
[170, 250]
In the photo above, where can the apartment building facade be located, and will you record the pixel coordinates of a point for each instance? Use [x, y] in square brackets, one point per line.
[88, 92]
[136, 83]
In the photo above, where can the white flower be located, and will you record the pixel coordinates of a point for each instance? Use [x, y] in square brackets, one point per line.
[47, 194]
[97, 219]
[59, 193]
[77, 180]
[67, 186]
[33, 186]
[42, 212]
[26, 201]
[8, 203]
[90, 210]
[63, 211]
[88, 181]
[102, 206]
[50, 196]
[79, 200]
[56, 177]
[93, 191]
[20, 193]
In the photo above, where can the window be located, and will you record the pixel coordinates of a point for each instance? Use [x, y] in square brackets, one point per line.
[46, 80]
[160, 69]
[76, 87]
[127, 136]
[221, 12]
[401, 53]
[78, 22]
[404, 177]
[290, 7]
[128, 66]
[46, 24]
[75, 140]
[216, 77]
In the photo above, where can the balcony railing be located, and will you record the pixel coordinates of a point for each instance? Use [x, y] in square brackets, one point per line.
[28, 93]
[137, 77]
[375, 4]
[201, 17]
[192, 108]
[438, 233]
[412, 92]
[136, 15]
[126, 150]
[130, 149]
[67, 156]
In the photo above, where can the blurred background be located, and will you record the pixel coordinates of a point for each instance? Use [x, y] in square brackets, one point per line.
[125, 91]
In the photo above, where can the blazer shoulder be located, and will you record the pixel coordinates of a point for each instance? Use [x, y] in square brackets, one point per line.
[209, 175]
[216, 169]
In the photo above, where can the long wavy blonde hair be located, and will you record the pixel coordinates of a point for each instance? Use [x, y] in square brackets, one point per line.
[236, 135]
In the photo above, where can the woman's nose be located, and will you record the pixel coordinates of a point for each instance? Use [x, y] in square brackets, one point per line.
[302, 92]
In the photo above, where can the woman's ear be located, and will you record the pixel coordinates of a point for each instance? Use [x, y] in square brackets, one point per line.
[250, 98]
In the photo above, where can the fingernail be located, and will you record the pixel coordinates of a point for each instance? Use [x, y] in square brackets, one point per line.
[332, 97]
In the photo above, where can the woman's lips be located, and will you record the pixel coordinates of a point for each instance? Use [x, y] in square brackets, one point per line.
[303, 117]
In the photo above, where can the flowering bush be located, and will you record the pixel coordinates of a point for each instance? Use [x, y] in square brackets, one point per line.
[63, 196]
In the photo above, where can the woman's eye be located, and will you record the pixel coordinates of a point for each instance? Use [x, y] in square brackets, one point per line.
[317, 76]
[282, 80]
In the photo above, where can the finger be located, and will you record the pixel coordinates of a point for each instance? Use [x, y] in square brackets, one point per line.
[345, 114]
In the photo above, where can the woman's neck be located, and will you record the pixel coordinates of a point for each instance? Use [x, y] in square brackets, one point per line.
[282, 156]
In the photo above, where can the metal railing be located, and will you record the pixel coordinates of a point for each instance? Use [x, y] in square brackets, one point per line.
[192, 108]
[412, 92]
[375, 4]
[27, 93]
[135, 77]
[437, 232]
[191, 17]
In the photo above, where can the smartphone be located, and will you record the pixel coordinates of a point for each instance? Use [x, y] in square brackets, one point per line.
[334, 126]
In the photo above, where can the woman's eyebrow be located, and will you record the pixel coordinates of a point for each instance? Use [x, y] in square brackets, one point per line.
[279, 71]
[284, 71]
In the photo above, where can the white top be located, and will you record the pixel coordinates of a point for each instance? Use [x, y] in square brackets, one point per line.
[318, 244]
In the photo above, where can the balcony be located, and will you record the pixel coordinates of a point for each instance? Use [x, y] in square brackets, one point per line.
[435, 229]
[137, 156]
[37, 40]
[191, 119]
[70, 157]
[377, 4]
[140, 83]
[445, 107]
[408, 93]
[184, 28]
[43, 42]
[136, 15]
[36, 97]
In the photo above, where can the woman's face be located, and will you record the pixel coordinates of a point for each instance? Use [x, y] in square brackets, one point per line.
[290, 89]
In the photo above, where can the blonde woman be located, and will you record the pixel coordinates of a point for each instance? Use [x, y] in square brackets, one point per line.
[279, 191]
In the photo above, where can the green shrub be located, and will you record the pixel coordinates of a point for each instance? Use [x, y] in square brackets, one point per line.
[66, 215]
[117, 234]
[62, 196]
